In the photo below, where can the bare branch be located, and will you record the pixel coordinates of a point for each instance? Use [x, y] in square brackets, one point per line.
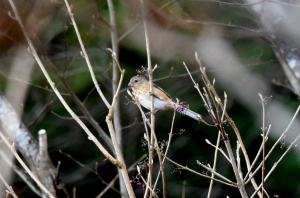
[237, 133]
[150, 71]
[86, 57]
[276, 163]
[190, 21]
[167, 149]
[23, 175]
[52, 84]
[258, 154]
[214, 172]
[10, 190]
[31, 84]
[117, 148]
[12, 149]
[200, 174]
[277, 142]
[215, 164]
[264, 144]
[219, 149]
[111, 184]
[138, 23]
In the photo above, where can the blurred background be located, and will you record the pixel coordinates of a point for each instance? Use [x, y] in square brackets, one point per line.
[248, 47]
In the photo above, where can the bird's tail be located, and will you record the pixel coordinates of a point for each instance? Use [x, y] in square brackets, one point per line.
[188, 112]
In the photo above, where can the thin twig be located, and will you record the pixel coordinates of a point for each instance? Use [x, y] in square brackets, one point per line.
[200, 174]
[138, 23]
[150, 71]
[112, 133]
[111, 184]
[183, 189]
[116, 88]
[22, 174]
[240, 183]
[66, 117]
[78, 102]
[9, 190]
[40, 113]
[219, 125]
[171, 75]
[277, 142]
[276, 163]
[214, 172]
[52, 84]
[225, 104]
[31, 84]
[99, 15]
[231, 122]
[190, 21]
[195, 84]
[215, 164]
[87, 114]
[149, 187]
[258, 153]
[219, 149]
[86, 57]
[116, 95]
[88, 168]
[88, 94]
[238, 159]
[12, 149]
[135, 122]
[167, 149]
[147, 137]
[264, 144]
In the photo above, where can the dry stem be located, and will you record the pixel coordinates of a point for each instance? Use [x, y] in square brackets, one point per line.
[9, 190]
[167, 149]
[264, 145]
[118, 151]
[150, 71]
[277, 142]
[237, 133]
[86, 57]
[214, 165]
[214, 172]
[276, 163]
[12, 149]
[52, 84]
[219, 124]
[200, 174]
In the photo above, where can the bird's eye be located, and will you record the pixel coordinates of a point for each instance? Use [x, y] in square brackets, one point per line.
[136, 81]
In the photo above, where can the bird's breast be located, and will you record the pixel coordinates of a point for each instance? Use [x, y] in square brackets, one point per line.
[159, 104]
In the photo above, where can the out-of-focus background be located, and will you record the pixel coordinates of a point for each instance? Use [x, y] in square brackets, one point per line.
[248, 47]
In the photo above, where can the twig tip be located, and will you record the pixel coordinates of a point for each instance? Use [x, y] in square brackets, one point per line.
[42, 131]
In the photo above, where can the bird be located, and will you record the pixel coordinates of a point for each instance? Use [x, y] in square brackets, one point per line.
[162, 100]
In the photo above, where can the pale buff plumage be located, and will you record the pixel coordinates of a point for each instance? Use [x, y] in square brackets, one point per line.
[162, 100]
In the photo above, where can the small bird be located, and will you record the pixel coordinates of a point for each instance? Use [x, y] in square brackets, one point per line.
[162, 100]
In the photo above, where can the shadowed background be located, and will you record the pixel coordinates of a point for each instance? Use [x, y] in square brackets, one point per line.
[245, 48]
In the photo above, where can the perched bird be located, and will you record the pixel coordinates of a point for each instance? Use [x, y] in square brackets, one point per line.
[162, 100]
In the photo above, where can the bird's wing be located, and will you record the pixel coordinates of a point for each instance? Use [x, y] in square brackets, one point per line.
[160, 93]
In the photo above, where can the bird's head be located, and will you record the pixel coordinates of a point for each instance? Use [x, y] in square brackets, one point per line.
[136, 81]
